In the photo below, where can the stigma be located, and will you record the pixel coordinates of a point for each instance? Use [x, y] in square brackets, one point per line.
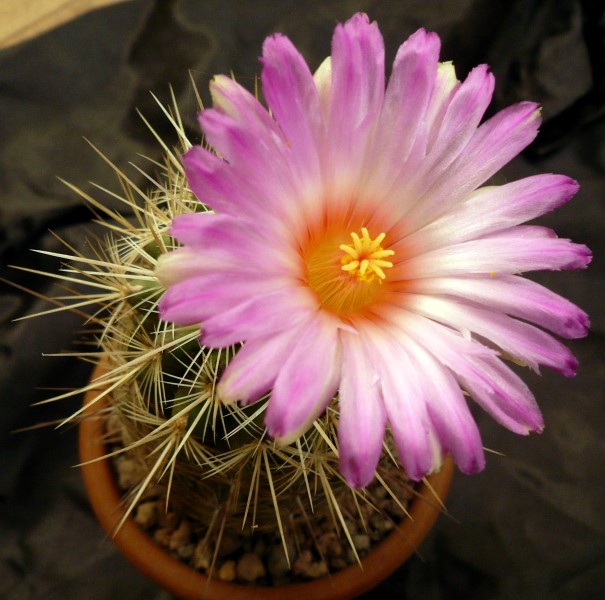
[364, 257]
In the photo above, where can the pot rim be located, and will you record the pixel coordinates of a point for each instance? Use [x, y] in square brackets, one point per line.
[187, 583]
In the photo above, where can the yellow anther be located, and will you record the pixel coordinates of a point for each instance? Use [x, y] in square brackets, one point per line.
[364, 258]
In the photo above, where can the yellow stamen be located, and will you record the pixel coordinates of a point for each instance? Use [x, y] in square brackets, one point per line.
[364, 258]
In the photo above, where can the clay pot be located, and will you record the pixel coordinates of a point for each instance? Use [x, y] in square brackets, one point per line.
[189, 584]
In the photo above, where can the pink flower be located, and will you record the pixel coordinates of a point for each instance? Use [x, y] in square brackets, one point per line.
[352, 251]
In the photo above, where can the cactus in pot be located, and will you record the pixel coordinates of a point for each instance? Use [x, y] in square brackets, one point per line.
[209, 462]
[351, 282]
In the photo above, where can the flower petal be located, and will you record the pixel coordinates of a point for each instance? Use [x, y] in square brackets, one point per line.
[515, 296]
[521, 340]
[356, 95]
[246, 148]
[510, 252]
[225, 189]
[362, 413]
[200, 296]
[253, 370]
[403, 113]
[458, 125]
[228, 242]
[260, 160]
[179, 265]
[494, 208]
[405, 400]
[455, 427]
[307, 380]
[492, 146]
[446, 85]
[501, 393]
[261, 314]
[493, 385]
[294, 101]
[236, 102]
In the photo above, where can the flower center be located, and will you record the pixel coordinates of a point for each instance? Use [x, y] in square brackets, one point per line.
[345, 285]
[364, 258]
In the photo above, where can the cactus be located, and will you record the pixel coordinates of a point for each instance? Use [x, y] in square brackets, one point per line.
[211, 462]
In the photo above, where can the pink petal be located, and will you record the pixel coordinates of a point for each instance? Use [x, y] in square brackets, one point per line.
[446, 85]
[253, 370]
[512, 252]
[235, 101]
[294, 101]
[244, 134]
[200, 296]
[307, 380]
[403, 112]
[260, 315]
[179, 265]
[221, 233]
[362, 413]
[458, 124]
[496, 142]
[228, 190]
[515, 296]
[521, 340]
[248, 148]
[405, 400]
[455, 427]
[494, 208]
[260, 161]
[460, 121]
[235, 131]
[492, 145]
[357, 92]
[493, 386]
[501, 393]
[226, 242]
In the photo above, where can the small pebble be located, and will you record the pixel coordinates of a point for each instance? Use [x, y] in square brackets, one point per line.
[260, 547]
[316, 569]
[351, 526]
[170, 519]
[250, 567]
[381, 523]
[301, 564]
[129, 473]
[162, 536]
[146, 515]
[185, 552]
[226, 571]
[202, 558]
[329, 545]
[113, 426]
[153, 492]
[181, 536]
[307, 567]
[379, 493]
[361, 541]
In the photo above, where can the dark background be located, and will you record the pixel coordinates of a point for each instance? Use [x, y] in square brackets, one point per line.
[532, 525]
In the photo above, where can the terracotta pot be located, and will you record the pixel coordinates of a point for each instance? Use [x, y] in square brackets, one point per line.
[189, 584]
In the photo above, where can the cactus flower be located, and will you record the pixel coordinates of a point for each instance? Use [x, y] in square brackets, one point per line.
[354, 248]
